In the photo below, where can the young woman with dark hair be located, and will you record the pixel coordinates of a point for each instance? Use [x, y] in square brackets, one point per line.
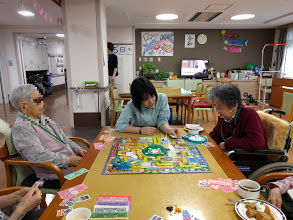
[147, 111]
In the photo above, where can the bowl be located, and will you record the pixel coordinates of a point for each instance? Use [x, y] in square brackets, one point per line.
[249, 189]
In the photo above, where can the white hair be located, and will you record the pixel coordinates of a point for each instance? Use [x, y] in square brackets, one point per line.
[21, 93]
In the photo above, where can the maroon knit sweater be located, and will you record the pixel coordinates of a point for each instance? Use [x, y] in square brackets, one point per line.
[249, 132]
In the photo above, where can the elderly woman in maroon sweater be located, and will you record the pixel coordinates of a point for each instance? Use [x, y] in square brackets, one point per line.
[238, 126]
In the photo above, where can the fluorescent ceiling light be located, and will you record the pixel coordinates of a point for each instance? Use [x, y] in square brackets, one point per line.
[242, 17]
[60, 35]
[26, 13]
[166, 17]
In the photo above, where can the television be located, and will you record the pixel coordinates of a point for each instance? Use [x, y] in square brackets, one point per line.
[194, 68]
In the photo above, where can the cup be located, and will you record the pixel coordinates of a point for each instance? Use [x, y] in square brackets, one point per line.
[79, 214]
[249, 189]
[193, 131]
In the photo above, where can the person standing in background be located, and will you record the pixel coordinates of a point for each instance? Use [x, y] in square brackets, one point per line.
[112, 63]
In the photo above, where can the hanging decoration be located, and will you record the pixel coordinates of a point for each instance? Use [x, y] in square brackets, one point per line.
[236, 42]
[232, 42]
[233, 49]
[46, 15]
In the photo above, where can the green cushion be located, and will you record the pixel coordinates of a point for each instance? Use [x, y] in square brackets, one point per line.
[287, 102]
[191, 84]
[19, 173]
[116, 95]
[49, 191]
[175, 83]
[269, 82]
[118, 108]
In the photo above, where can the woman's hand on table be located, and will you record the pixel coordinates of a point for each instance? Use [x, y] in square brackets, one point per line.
[148, 130]
[275, 197]
[174, 131]
[222, 146]
[81, 152]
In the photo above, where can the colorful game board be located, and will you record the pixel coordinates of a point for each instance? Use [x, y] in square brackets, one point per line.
[156, 155]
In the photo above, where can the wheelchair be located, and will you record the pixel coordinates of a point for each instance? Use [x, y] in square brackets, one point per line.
[279, 137]
[42, 83]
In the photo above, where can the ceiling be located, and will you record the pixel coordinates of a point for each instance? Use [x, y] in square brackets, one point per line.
[141, 13]
[9, 15]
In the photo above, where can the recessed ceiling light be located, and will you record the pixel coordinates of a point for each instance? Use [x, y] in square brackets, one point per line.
[166, 17]
[242, 16]
[26, 13]
[60, 35]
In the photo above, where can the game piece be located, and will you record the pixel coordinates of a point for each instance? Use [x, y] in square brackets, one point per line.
[154, 156]
[177, 209]
[170, 208]
[120, 164]
[76, 174]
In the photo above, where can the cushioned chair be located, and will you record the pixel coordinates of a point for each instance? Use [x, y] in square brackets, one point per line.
[17, 169]
[265, 87]
[203, 104]
[279, 135]
[116, 101]
[196, 87]
[287, 102]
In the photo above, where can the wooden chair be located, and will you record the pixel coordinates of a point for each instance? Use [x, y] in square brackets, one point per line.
[265, 87]
[116, 100]
[272, 176]
[290, 117]
[17, 169]
[203, 99]
[198, 92]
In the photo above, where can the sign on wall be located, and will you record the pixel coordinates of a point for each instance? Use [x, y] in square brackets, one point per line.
[123, 49]
[157, 43]
[189, 41]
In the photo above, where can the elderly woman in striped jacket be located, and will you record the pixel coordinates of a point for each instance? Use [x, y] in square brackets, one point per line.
[39, 139]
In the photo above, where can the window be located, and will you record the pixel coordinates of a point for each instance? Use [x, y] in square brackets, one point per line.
[287, 65]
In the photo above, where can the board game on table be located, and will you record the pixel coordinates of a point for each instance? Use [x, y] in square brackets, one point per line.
[156, 155]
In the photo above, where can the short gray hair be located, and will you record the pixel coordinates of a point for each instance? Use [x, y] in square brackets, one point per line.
[228, 94]
[20, 94]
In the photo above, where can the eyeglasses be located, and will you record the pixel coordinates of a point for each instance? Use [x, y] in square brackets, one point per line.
[36, 101]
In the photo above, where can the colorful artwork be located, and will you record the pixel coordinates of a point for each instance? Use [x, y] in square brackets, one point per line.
[155, 155]
[157, 43]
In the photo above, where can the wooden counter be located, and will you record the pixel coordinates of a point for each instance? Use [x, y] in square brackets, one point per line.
[280, 85]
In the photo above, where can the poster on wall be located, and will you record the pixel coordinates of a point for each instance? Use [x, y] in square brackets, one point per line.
[157, 43]
[189, 41]
[123, 49]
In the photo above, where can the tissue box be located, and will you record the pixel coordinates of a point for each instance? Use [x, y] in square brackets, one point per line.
[90, 84]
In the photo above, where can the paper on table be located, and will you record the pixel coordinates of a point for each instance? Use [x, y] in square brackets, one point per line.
[76, 174]
[99, 146]
[69, 193]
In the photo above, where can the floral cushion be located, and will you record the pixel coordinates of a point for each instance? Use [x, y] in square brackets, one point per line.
[197, 104]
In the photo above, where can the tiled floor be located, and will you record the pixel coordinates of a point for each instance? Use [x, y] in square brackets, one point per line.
[57, 109]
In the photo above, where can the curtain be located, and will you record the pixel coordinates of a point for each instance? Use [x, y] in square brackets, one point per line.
[280, 49]
[287, 64]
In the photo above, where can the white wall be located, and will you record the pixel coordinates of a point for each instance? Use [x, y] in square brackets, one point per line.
[56, 46]
[126, 67]
[10, 51]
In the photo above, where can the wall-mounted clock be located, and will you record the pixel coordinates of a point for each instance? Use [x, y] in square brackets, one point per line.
[202, 39]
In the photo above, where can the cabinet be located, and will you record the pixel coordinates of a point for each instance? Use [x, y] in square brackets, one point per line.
[35, 56]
